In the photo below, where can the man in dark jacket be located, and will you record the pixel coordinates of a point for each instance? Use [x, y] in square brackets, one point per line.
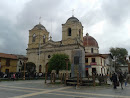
[114, 80]
[121, 79]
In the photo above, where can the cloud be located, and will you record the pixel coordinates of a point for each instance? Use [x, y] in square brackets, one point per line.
[106, 20]
[116, 11]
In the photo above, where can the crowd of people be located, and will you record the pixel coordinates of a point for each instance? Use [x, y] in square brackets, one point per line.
[19, 75]
[119, 79]
[116, 78]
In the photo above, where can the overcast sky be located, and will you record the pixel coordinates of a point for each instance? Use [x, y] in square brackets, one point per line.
[108, 21]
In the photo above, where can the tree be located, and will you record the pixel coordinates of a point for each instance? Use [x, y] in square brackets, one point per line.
[30, 68]
[119, 55]
[57, 62]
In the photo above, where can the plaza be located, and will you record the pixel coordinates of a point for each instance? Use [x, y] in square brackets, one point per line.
[37, 89]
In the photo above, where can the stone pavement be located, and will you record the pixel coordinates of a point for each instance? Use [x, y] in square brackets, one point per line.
[37, 89]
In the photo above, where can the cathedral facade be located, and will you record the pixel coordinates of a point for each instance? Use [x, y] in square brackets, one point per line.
[41, 47]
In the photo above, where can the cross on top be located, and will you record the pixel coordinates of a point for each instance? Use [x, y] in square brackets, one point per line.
[40, 19]
[72, 12]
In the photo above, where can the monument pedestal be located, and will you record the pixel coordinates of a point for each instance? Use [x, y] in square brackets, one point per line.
[78, 63]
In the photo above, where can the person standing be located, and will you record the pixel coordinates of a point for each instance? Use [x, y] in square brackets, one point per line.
[13, 76]
[114, 80]
[121, 79]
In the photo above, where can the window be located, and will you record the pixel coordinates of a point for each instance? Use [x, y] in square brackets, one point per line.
[34, 38]
[44, 38]
[7, 62]
[76, 60]
[91, 50]
[49, 56]
[21, 63]
[79, 33]
[86, 60]
[93, 60]
[69, 31]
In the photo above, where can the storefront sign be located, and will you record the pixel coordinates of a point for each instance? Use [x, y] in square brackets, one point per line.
[87, 66]
[93, 63]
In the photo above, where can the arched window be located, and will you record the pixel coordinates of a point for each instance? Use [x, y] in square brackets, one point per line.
[91, 50]
[79, 33]
[49, 56]
[69, 31]
[44, 38]
[34, 38]
[40, 68]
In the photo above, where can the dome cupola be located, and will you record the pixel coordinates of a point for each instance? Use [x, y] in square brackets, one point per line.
[90, 44]
[72, 19]
[39, 26]
[89, 41]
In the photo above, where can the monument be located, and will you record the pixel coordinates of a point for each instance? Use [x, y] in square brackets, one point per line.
[78, 63]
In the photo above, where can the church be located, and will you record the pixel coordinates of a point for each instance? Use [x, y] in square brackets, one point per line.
[41, 47]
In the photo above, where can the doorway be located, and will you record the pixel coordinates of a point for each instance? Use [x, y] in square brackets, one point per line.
[6, 71]
[94, 70]
[86, 73]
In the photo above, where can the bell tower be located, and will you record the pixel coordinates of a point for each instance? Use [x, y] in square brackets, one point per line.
[37, 36]
[72, 31]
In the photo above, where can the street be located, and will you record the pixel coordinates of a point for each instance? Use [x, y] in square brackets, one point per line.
[38, 89]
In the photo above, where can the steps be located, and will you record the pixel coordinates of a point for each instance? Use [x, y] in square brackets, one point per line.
[85, 82]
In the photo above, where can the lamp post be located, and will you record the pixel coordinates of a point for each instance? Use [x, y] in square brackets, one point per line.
[66, 60]
[114, 64]
[25, 60]
[0, 64]
[128, 62]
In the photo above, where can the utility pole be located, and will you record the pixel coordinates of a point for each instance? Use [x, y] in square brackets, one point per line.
[66, 59]
[128, 62]
[25, 60]
[39, 50]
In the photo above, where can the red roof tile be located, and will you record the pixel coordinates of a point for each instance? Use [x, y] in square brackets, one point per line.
[89, 41]
[11, 56]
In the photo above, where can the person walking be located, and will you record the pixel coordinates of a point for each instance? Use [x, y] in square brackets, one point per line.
[114, 80]
[100, 79]
[121, 79]
[128, 78]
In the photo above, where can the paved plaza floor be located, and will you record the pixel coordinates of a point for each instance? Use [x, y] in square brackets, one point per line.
[38, 89]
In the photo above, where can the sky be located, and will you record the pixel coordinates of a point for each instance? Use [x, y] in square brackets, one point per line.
[108, 21]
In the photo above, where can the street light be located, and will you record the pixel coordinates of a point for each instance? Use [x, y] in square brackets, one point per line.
[0, 64]
[25, 60]
[66, 60]
[128, 62]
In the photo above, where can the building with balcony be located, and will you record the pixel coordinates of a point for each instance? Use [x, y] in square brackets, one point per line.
[94, 61]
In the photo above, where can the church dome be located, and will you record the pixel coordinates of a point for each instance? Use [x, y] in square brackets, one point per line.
[89, 41]
[39, 26]
[72, 19]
